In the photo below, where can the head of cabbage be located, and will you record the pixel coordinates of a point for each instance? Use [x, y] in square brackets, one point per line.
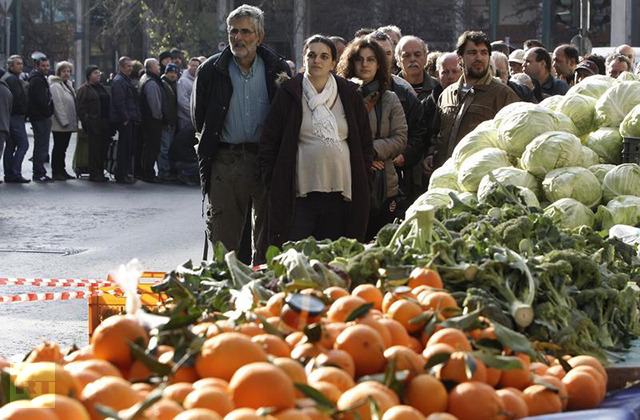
[594, 86]
[518, 129]
[630, 126]
[480, 138]
[622, 210]
[569, 213]
[616, 103]
[551, 102]
[589, 157]
[437, 197]
[581, 109]
[509, 176]
[574, 182]
[551, 150]
[478, 165]
[445, 176]
[601, 170]
[626, 76]
[607, 143]
[622, 180]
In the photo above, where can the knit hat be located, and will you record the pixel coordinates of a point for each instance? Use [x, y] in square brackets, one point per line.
[171, 67]
[165, 54]
[90, 70]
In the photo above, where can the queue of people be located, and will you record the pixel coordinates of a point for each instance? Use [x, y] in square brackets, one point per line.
[148, 106]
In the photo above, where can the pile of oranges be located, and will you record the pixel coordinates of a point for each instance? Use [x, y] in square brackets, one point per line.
[242, 372]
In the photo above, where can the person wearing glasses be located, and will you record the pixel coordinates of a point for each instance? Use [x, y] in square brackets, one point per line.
[316, 153]
[231, 96]
[365, 61]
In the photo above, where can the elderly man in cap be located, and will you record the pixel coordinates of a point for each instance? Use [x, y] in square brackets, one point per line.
[516, 60]
[585, 69]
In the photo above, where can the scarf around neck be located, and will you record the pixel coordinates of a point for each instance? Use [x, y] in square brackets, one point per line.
[324, 122]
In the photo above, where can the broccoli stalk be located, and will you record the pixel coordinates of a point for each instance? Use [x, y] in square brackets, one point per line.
[417, 230]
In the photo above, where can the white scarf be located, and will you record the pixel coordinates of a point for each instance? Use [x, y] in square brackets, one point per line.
[324, 122]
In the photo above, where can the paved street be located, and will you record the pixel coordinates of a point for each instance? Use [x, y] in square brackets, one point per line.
[78, 229]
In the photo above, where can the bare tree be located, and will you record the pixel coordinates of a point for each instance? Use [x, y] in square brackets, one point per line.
[50, 28]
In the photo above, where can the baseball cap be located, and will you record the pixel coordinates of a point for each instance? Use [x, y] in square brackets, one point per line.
[171, 67]
[588, 66]
[517, 56]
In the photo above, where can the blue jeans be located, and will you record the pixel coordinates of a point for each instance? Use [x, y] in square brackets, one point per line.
[17, 146]
[41, 139]
[164, 165]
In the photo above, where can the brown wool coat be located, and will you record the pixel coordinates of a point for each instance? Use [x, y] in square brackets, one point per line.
[279, 151]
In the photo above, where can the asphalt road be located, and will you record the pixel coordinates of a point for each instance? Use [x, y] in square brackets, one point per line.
[79, 229]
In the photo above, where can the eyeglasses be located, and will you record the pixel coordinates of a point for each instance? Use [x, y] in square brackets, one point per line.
[244, 32]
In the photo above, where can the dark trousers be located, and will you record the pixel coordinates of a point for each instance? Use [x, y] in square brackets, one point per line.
[137, 142]
[321, 215]
[60, 145]
[98, 148]
[384, 215]
[125, 150]
[151, 136]
[16, 147]
[41, 139]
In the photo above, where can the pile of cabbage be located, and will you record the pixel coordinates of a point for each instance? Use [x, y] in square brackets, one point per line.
[563, 155]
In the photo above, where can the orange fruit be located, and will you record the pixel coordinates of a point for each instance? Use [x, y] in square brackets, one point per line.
[262, 385]
[376, 325]
[177, 392]
[405, 359]
[402, 412]
[343, 307]
[110, 339]
[399, 336]
[404, 311]
[517, 378]
[272, 344]
[365, 346]
[83, 353]
[211, 398]
[451, 336]
[330, 332]
[183, 374]
[582, 389]
[291, 414]
[211, 382]
[23, 410]
[474, 401]
[305, 352]
[223, 354]
[421, 386]
[397, 294]
[45, 352]
[422, 276]
[142, 388]
[585, 360]
[441, 302]
[455, 369]
[84, 377]
[243, 414]
[262, 311]
[338, 377]
[513, 402]
[370, 293]
[275, 303]
[101, 367]
[163, 409]
[383, 388]
[250, 329]
[493, 377]
[63, 407]
[602, 383]
[337, 358]
[552, 380]
[356, 400]
[294, 338]
[538, 368]
[47, 378]
[111, 391]
[314, 414]
[334, 293]
[441, 416]
[329, 390]
[541, 400]
[292, 368]
[557, 371]
[198, 414]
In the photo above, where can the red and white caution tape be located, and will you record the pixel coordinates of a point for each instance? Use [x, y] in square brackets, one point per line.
[38, 297]
[14, 281]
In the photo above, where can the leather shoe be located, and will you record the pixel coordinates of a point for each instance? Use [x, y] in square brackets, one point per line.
[99, 179]
[43, 178]
[19, 180]
[59, 177]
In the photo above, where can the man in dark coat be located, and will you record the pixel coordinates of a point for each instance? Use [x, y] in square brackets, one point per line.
[6, 103]
[151, 105]
[17, 142]
[40, 112]
[230, 100]
[124, 113]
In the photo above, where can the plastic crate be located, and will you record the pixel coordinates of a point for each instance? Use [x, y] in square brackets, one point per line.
[112, 300]
[631, 150]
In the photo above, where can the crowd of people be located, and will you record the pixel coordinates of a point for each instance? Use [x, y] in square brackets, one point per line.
[339, 147]
[148, 105]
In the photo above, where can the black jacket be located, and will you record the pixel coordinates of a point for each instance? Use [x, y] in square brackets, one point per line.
[170, 102]
[40, 102]
[19, 91]
[125, 105]
[416, 124]
[212, 90]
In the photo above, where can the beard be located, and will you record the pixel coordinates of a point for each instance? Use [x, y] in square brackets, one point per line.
[477, 75]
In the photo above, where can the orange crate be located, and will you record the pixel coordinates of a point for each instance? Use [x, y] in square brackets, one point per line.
[107, 304]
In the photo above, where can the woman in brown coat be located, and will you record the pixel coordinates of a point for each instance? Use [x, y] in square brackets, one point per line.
[316, 153]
